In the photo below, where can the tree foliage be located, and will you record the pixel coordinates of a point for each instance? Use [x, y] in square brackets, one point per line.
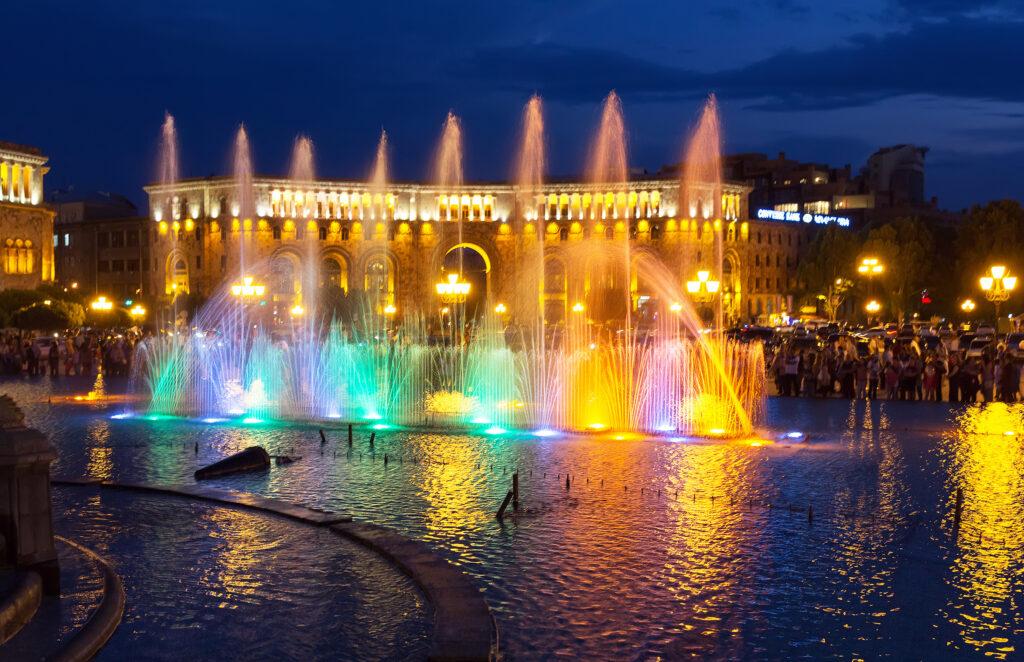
[907, 249]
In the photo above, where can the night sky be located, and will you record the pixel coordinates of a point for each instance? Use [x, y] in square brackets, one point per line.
[829, 81]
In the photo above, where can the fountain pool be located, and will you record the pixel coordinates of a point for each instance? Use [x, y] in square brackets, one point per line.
[661, 547]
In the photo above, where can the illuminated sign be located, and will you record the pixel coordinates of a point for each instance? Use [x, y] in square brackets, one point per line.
[798, 217]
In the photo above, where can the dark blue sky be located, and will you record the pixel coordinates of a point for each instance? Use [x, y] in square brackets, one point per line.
[825, 81]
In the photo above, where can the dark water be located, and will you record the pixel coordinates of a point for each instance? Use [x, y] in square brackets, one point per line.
[210, 582]
[666, 548]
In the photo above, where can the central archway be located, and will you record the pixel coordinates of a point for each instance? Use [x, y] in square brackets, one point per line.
[473, 264]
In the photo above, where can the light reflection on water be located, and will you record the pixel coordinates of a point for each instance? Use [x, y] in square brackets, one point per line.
[985, 461]
[621, 567]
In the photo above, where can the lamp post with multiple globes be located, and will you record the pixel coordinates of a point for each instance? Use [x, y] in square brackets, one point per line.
[997, 286]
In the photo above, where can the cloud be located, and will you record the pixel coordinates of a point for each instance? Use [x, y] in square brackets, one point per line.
[966, 58]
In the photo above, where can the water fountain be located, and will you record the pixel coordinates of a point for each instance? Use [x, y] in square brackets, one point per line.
[659, 371]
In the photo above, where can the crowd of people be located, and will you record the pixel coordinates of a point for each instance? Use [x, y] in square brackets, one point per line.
[81, 352]
[899, 371]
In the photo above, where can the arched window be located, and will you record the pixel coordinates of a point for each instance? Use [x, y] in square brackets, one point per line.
[333, 272]
[282, 278]
[379, 281]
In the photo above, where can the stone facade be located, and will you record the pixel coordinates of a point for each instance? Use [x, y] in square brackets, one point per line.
[400, 243]
[26, 224]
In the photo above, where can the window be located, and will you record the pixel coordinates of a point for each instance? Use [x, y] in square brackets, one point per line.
[757, 260]
[277, 232]
[199, 233]
[817, 207]
[199, 261]
[19, 256]
[323, 233]
[117, 239]
[223, 262]
[56, 240]
[103, 266]
[145, 264]
[757, 284]
[132, 238]
[344, 234]
[133, 266]
[759, 236]
[117, 266]
[67, 239]
[102, 239]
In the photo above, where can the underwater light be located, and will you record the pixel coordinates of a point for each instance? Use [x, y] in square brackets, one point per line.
[545, 432]
[236, 411]
[597, 426]
[333, 415]
[716, 431]
[666, 428]
[481, 420]
[756, 443]
[381, 426]
[1009, 433]
[372, 417]
[249, 420]
[794, 435]
[494, 429]
[118, 417]
[214, 420]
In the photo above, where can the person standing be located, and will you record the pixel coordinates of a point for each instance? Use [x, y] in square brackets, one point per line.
[874, 370]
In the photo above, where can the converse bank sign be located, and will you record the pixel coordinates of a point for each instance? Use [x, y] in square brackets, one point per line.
[798, 217]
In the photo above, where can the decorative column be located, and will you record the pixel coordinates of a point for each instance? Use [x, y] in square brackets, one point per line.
[26, 523]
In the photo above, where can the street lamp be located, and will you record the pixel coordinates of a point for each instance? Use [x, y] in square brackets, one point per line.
[248, 288]
[703, 289]
[297, 310]
[872, 307]
[102, 304]
[870, 266]
[137, 312]
[997, 286]
[501, 309]
[968, 306]
[390, 310]
[578, 307]
[453, 290]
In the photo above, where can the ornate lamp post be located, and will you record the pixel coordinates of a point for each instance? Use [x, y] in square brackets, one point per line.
[247, 289]
[453, 290]
[997, 286]
[102, 304]
[968, 306]
[872, 307]
[703, 289]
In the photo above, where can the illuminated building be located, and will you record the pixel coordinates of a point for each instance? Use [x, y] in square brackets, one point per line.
[26, 224]
[101, 243]
[399, 241]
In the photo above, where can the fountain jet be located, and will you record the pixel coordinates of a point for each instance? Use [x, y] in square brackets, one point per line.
[302, 168]
[448, 160]
[168, 167]
[608, 163]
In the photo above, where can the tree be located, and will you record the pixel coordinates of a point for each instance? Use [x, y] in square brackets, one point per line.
[907, 249]
[823, 274]
[992, 233]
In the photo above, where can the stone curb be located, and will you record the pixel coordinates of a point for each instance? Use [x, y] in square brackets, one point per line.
[464, 628]
[85, 643]
[20, 605]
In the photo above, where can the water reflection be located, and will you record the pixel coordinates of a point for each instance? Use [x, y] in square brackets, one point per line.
[705, 562]
[986, 463]
[450, 481]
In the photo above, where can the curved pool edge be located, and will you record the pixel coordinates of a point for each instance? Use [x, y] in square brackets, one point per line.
[97, 630]
[19, 606]
[464, 627]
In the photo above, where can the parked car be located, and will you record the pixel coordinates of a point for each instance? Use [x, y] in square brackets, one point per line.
[978, 347]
